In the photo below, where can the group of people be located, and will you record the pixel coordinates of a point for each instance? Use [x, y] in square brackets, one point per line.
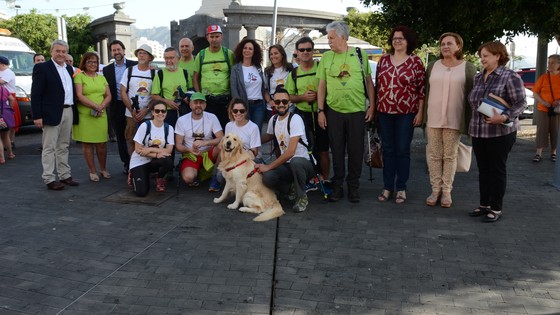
[313, 107]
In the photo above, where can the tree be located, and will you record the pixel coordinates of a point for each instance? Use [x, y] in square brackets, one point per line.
[40, 30]
[370, 26]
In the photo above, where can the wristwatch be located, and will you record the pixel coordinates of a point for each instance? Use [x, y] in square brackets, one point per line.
[320, 110]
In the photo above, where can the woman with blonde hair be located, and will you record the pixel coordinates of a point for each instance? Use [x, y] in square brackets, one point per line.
[447, 114]
[547, 93]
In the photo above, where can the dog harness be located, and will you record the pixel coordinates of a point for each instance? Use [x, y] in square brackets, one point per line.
[233, 167]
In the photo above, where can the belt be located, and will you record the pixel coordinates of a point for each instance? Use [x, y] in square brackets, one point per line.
[255, 101]
[66, 106]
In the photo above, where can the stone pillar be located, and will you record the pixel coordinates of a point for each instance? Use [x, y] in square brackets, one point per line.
[251, 31]
[234, 38]
[104, 49]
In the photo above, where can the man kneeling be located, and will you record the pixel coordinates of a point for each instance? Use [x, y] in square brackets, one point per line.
[292, 169]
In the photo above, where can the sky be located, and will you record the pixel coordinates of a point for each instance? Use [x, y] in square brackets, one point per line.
[150, 13]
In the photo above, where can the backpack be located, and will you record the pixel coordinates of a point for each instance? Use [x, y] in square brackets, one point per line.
[307, 146]
[295, 76]
[129, 69]
[149, 128]
[226, 59]
[160, 76]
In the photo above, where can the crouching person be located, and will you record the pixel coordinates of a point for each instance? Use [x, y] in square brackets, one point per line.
[292, 169]
[196, 135]
[153, 144]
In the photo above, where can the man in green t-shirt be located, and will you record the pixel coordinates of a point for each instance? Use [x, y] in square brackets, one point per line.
[211, 74]
[186, 48]
[165, 91]
[344, 78]
[302, 85]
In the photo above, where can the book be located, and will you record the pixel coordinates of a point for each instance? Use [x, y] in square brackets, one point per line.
[492, 102]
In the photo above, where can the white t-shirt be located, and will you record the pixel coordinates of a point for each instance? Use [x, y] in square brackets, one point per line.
[10, 77]
[204, 129]
[249, 134]
[297, 128]
[253, 83]
[279, 76]
[156, 138]
[141, 85]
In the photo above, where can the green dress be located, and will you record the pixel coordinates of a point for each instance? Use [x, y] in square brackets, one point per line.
[91, 129]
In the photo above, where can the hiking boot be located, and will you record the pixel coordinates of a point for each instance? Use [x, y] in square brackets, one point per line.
[195, 183]
[292, 193]
[301, 204]
[214, 185]
[353, 195]
[336, 193]
[160, 184]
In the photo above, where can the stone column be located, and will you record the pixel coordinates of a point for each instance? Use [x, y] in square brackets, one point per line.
[233, 33]
[251, 31]
[103, 52]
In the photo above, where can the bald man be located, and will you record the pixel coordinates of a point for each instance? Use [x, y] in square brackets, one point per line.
[186, 48]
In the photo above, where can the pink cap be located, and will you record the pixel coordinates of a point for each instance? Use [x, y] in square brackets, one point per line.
[214, 29]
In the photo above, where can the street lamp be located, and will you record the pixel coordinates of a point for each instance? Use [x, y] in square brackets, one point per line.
[17, 6]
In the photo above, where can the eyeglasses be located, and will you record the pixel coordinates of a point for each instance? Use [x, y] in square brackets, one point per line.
[285, 102]
[157, 111]
[398, 39]
[241, 111]
[305, 49]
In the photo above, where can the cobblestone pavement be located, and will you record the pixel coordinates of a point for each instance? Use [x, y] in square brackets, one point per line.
[94, 250]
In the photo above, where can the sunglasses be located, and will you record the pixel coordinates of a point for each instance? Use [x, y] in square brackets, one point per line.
[241, 111]
[285, 102]
[305, 49]
[157, 111]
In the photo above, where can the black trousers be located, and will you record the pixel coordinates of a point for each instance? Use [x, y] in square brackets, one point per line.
[491, 158]
[118, 120]
[217, 105]
[346, 135]
[141, 174]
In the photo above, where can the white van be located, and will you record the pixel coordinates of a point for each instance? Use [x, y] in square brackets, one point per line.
[21, 62]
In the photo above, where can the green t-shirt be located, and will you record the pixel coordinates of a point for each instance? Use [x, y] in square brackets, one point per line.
[214, 76]
[171, 80]
[189, 65]
[306, 81]
[343, 75]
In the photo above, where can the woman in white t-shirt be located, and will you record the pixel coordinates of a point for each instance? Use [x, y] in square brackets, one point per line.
[276, 74]
[153, 144]
[245, 129]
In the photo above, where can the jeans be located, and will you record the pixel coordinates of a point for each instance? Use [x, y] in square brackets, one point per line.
[396, 131]
[256, 112]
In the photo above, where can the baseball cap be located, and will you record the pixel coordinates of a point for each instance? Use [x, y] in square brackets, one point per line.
[198, 96]
[214, 29]
[4, 61]
[145, 48]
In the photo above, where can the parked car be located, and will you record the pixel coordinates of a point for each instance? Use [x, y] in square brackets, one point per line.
[528, 76]
[373, 66]
[528, 112]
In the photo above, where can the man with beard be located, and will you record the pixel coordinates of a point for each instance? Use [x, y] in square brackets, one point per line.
[186, 48]
[293, 168]
[136, 88]
[212, 72]
[168, 83]
[117, 119]
[196, 135]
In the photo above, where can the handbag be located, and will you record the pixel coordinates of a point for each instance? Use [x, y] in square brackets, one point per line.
[556, 109]
[373, 156]
[464, 158]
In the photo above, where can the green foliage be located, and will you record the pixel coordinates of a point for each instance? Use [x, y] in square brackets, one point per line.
[370, 26]
[40, 30]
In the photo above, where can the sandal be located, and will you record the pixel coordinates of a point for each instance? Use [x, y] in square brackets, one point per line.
[492, 216]
[11, 156]
[93, 177]
[2, 161]
[105, 174]
[384, 195]
[446, 200]
[401, 197]
[481, 210]
[553, 157]
[433, 198]
[537, 158]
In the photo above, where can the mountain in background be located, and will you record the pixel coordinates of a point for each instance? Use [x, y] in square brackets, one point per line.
[160, 34]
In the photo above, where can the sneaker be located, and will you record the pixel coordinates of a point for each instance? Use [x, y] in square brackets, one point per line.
[160, 184]
[292, 193]
[196, 183]
[129, 179]
[214, 185]
[301, 204]
[310, 186]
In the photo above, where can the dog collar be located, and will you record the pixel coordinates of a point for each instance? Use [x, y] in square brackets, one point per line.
[253, 172]
[233, 167]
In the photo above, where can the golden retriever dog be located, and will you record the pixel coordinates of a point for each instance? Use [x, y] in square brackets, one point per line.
[238, 168]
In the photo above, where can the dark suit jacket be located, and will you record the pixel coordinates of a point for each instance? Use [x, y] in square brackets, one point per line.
[47, 93]
[109, 74]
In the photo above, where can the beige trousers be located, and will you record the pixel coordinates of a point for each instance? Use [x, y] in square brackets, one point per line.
[56, 140]
[442, 157]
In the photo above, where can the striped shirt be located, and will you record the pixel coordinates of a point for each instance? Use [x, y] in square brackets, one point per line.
[504, 83]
